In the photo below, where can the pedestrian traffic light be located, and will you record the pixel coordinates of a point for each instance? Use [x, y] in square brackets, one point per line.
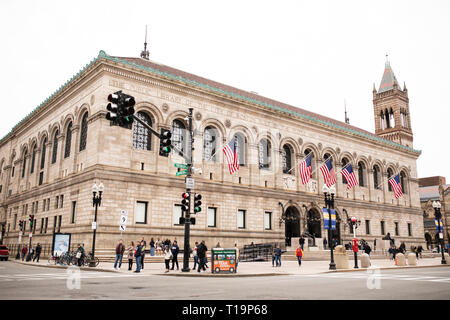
[197, 203]
[165, 142]
[20, 224]
[185, 202]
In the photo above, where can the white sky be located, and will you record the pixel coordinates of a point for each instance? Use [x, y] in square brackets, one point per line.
[311, 54]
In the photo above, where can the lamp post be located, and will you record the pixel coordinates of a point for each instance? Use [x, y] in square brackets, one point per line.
[329, 202]
[96, 202]
[438, 216]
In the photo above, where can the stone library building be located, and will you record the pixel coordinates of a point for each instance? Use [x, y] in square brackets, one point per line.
[50, 160]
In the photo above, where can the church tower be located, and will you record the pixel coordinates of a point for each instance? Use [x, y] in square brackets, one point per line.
[391, 109]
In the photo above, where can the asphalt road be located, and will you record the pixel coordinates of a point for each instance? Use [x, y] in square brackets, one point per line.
[27, 282]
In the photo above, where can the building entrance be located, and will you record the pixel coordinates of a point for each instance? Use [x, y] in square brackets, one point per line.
[292, 225]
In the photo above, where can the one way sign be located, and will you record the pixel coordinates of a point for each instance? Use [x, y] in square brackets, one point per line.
[123, 220]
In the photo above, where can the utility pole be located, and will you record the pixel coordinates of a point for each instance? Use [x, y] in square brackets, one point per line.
[187, 223]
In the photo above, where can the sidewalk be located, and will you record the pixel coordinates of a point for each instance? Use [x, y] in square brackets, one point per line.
[249, 269]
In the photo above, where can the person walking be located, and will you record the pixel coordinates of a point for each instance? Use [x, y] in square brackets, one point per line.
[152, 247]
[419, 250]
[130, 255]
[120, 249]
[391, 253]
[144, 247]
[367, 249]
[138, 255]
[195, 255]
[38, 252]
[237, 254]
[325, 242]
[278, 256]
[301, 241]
[175, 250]
[274, 252]
[201, 252]
[299, 255]
[80, 255]
[167, 257]
[374, 245]
[24, 251]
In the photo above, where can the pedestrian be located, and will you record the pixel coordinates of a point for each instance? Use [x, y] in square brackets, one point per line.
[175, 250]
[301, 241]
[375, 245]
[195, 255]
[138, 255]
[274, 252]
[218, 245]
[120, 249]
[38, 252]
[24, 251]
[391, 253]
[152, 247]
[237, 254]
[278, 256]
[30, 254]
[419, 251]
[403, 248]
[394, 252]
[299, 254]
[130, 255]
[367, 249]
[325, 243]
[144, 247]
[79, 255]
[167, 256]
[201, 252]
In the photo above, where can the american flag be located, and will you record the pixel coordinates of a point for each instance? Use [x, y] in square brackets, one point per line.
[231, 154]
[305, 169]
[395, 183]
[328, 173]
[348, 173]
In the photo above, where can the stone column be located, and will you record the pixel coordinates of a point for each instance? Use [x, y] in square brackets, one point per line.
[48, 162]
[370, 182]
[75, 145]
[27, 170]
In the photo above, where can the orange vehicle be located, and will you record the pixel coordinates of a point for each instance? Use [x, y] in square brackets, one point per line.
[223, 260]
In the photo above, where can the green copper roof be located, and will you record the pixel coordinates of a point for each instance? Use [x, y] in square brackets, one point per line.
[103, 55]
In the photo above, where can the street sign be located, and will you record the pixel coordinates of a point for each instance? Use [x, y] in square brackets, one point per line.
[181, 173]
[441, 235]
[30, 235]
[180, 165]
[123, 212]
[123, 220]
[94, 225]
[122, 227]
[190, 183]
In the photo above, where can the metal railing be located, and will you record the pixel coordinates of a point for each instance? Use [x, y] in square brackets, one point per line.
[259, 251]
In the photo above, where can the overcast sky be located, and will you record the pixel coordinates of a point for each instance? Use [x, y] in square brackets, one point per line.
[311, 54]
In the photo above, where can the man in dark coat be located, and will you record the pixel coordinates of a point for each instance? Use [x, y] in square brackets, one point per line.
[201, 252]
[38, 252]
[175, 250]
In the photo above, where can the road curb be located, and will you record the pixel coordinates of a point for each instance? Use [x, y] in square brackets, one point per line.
[61, 267]
[212, 275]
[386, 268]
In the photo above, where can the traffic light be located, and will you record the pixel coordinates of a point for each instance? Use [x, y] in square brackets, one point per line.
[31, 219]
[185, 202]
[197, 203]
[121, 109]
[20, 224]
[165, 142]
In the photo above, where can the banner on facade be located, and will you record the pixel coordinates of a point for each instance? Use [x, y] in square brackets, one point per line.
[326, 217]
[439, 226]
[333, 219]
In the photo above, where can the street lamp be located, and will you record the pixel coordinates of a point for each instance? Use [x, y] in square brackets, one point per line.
[329, 202]
[96, 202]
[438, 216]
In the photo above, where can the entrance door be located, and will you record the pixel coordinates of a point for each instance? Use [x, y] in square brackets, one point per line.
[292, 224]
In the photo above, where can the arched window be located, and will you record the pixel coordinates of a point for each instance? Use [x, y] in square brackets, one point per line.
[390, 174]
[179, 135]
[361, 172]
[392, 118]
[141, 137]
[33, 158]
[43, 150]
[241, 148]
[287, 159]
[386, 116]
[376, 177]
[313, 165]
[55, 146]
[382, 122]
[344, 163]
[264, 154]
[68, 140]
[24, 162]
[403, 181]
[210, 138]
[83, 133]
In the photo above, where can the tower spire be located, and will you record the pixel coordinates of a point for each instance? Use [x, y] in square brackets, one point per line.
[347, 120]
[145, 53]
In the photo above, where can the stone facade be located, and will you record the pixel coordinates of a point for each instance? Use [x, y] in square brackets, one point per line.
[132, 175]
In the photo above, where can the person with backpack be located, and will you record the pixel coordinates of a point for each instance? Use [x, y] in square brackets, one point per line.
[299, 254]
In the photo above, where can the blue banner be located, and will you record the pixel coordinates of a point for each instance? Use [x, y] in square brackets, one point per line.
[326, 217]
[333, 219]
[439, 226]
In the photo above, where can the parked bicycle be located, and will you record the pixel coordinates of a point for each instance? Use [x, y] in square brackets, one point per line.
[85, 260]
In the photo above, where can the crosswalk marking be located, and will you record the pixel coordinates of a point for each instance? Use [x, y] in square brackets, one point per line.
[379, 276]
[64, 276]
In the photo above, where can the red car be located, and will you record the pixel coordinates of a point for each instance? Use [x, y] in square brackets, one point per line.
[4, 252]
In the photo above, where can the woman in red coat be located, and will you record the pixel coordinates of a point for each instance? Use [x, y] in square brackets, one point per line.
[299, 254]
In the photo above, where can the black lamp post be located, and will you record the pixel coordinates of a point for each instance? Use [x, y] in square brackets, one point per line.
[329, 202]
[438, 216]
[96, 202]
